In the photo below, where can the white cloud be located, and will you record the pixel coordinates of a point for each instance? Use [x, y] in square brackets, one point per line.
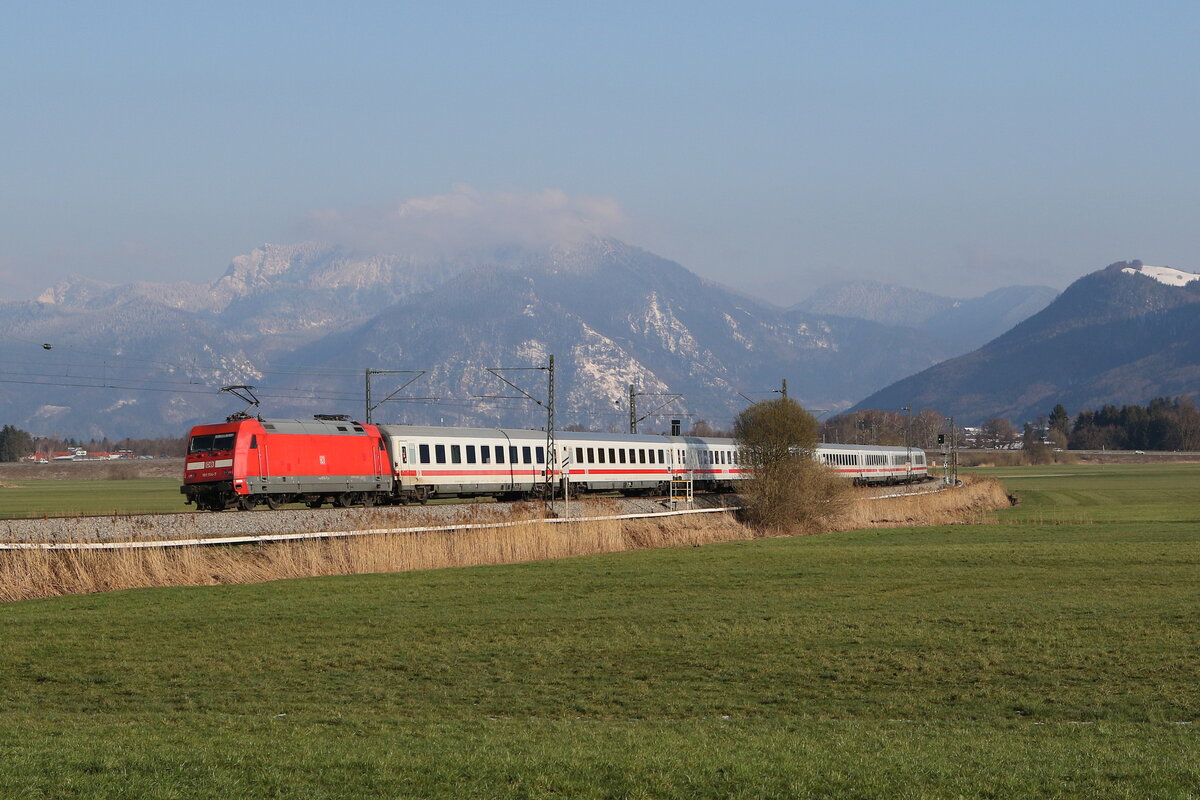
[468, 219]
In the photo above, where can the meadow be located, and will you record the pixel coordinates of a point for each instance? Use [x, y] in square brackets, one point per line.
[50, 498]
[1049, 652]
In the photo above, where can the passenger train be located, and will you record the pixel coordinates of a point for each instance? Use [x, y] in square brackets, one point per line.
[245, 462]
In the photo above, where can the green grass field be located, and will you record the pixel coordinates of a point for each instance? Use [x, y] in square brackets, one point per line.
[51, 498]
[1052, 654]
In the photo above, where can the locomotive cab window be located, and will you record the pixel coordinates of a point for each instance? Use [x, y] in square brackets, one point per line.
[254, 442]
[212, 441]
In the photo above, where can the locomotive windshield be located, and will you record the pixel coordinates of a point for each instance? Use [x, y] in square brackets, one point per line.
[212, 441]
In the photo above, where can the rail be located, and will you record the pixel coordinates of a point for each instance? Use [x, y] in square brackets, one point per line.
[289, 537]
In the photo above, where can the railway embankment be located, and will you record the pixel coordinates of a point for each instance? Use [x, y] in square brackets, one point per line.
[447, 536]
[263, 522]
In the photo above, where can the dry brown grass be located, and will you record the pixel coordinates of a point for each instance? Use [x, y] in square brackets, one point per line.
[970, 503]
[27, 574]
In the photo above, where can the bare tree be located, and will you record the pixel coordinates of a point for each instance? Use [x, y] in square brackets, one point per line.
[787, 487]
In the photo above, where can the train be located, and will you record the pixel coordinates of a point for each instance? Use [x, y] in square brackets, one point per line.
[246, 462]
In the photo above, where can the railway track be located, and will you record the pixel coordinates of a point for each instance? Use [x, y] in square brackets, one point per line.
[264, 524]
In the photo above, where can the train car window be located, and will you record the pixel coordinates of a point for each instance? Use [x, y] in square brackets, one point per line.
[456, 454]
[439, 450]
[591, 455]
[499, 454]
[621, 454]
[541, 455]
[470, 453]
[423, 452]
[578, 455]
[612, 456]
[600, 450]
[641, 456]
[254, 442]
[661, 459]
[485, 454]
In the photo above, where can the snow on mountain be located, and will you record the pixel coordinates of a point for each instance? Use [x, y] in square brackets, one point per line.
[1168, 275]
[302, 321]
[1108, 339]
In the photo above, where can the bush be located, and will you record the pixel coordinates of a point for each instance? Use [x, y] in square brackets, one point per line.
[787, 487]
[797, 493]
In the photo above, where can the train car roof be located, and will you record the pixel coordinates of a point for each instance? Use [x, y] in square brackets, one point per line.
[520, 433]
[322, 427]
[871, 448]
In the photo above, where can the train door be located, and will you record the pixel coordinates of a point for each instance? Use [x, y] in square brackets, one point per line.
[404, 464]
[256, 458]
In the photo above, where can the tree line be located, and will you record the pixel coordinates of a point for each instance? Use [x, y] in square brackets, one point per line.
[16, 444]
[1164, 424]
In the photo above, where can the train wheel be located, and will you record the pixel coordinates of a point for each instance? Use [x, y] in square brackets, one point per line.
[246, 503]
[344, 500]
[316, 503]
[273, 502]
[368, 499]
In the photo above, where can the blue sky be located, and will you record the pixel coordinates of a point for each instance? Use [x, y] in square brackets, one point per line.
[775, 147]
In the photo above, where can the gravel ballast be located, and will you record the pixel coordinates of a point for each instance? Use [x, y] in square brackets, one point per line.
[262, 522]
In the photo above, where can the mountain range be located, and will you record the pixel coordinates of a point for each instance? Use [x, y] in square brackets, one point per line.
[1124, 334]
[303, 323]
[959, 324]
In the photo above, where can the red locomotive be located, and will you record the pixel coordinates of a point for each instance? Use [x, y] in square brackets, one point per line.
[245, 461]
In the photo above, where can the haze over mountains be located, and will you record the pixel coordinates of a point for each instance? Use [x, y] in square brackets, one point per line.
[961, 324]
[302, 323]
[1125, 334]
